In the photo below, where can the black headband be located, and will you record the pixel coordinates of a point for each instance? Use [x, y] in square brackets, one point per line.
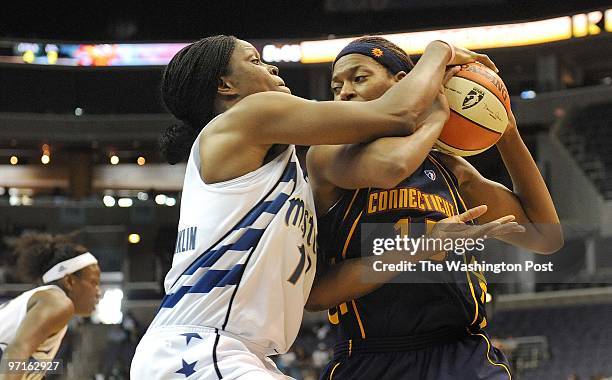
[380, 54]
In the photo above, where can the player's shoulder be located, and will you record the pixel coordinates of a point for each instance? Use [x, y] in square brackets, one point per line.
[253, 109]
[459, 167]
[53, 298]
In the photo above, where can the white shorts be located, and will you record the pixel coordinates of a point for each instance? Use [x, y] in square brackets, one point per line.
[191, 352]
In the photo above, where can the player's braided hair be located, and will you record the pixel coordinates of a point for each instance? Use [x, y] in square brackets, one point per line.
[189, 88]
[388, 45]
[38, 252]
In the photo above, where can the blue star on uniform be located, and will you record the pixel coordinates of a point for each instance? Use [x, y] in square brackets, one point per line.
[189, 336]
[187, 369]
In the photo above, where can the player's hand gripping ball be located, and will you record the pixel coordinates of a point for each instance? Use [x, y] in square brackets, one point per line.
[479, 107]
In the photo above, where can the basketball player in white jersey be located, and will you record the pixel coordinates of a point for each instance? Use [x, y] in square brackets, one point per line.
[245, 255]
[33, 324]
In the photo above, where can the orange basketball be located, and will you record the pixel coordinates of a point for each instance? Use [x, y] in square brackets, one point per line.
[479, 105]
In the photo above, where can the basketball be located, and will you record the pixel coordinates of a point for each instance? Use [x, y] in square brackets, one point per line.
[479, 106]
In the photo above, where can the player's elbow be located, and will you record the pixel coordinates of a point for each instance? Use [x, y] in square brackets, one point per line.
[393, 171]
[314, 307]
[314, 304]
[553, 245]
[552, 241]
[318, 300]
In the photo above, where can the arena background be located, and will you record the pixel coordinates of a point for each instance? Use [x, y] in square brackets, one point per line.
[80, 115]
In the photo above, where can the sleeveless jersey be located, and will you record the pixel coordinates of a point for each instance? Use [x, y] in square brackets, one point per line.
[245, 256]
[400, 308]
[12, 313]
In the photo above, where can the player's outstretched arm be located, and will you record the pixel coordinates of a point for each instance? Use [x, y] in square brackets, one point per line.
[49, 311]
[277, 118]
[382, 163]
[530, 200]
[345, 281]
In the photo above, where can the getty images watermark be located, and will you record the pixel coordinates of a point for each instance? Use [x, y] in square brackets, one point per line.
[426, 255]
[431, 254]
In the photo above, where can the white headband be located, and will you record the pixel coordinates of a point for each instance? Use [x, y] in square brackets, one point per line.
[63, 268]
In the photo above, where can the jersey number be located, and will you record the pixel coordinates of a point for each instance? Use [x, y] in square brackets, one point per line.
[300, 267]
[403, 226]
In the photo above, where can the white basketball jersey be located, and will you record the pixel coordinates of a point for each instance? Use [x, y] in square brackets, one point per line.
[245, 256]
[12, 313]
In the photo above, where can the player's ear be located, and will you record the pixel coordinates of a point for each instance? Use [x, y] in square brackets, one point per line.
[397, 77]
[68, 283]
[226, 87]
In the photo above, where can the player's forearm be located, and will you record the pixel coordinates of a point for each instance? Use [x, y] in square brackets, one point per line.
[11, 376]
[414, 94]
[415, 148]
[354, 278]
[340, 283]
[530, 188]
[17, 353]
[382, 163]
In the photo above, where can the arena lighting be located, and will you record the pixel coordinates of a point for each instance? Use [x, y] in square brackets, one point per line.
[108, 310]
[26, 200]
[142, 196]
[125, 202]
[160, 199]
[170, 201]
[14, 200]
[28, 56]
[488, 298]
[528, 94]
[281, 53]
[159, 54]
[474, 38]
[108, 201]
[134, 238]
[2, 191]
[52, 53]
[587, 24]
[14, 160]
[46, 156]
[114, 160]
[141, 161]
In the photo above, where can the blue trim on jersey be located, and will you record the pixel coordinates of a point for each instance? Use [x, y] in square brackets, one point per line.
[247, 242]
[244, 243]
[214, 354]
[231, 302]
[211, 279]
[217, 278]
[290, 172]
[271, 207]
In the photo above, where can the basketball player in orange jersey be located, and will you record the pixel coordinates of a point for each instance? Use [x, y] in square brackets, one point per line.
[33, 324]
[413, 330]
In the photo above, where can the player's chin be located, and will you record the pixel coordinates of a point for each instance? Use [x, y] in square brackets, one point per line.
[89, 311]
[284, 89]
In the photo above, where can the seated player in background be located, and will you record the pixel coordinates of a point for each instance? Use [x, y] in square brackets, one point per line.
[414, 330]
[33, 324]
